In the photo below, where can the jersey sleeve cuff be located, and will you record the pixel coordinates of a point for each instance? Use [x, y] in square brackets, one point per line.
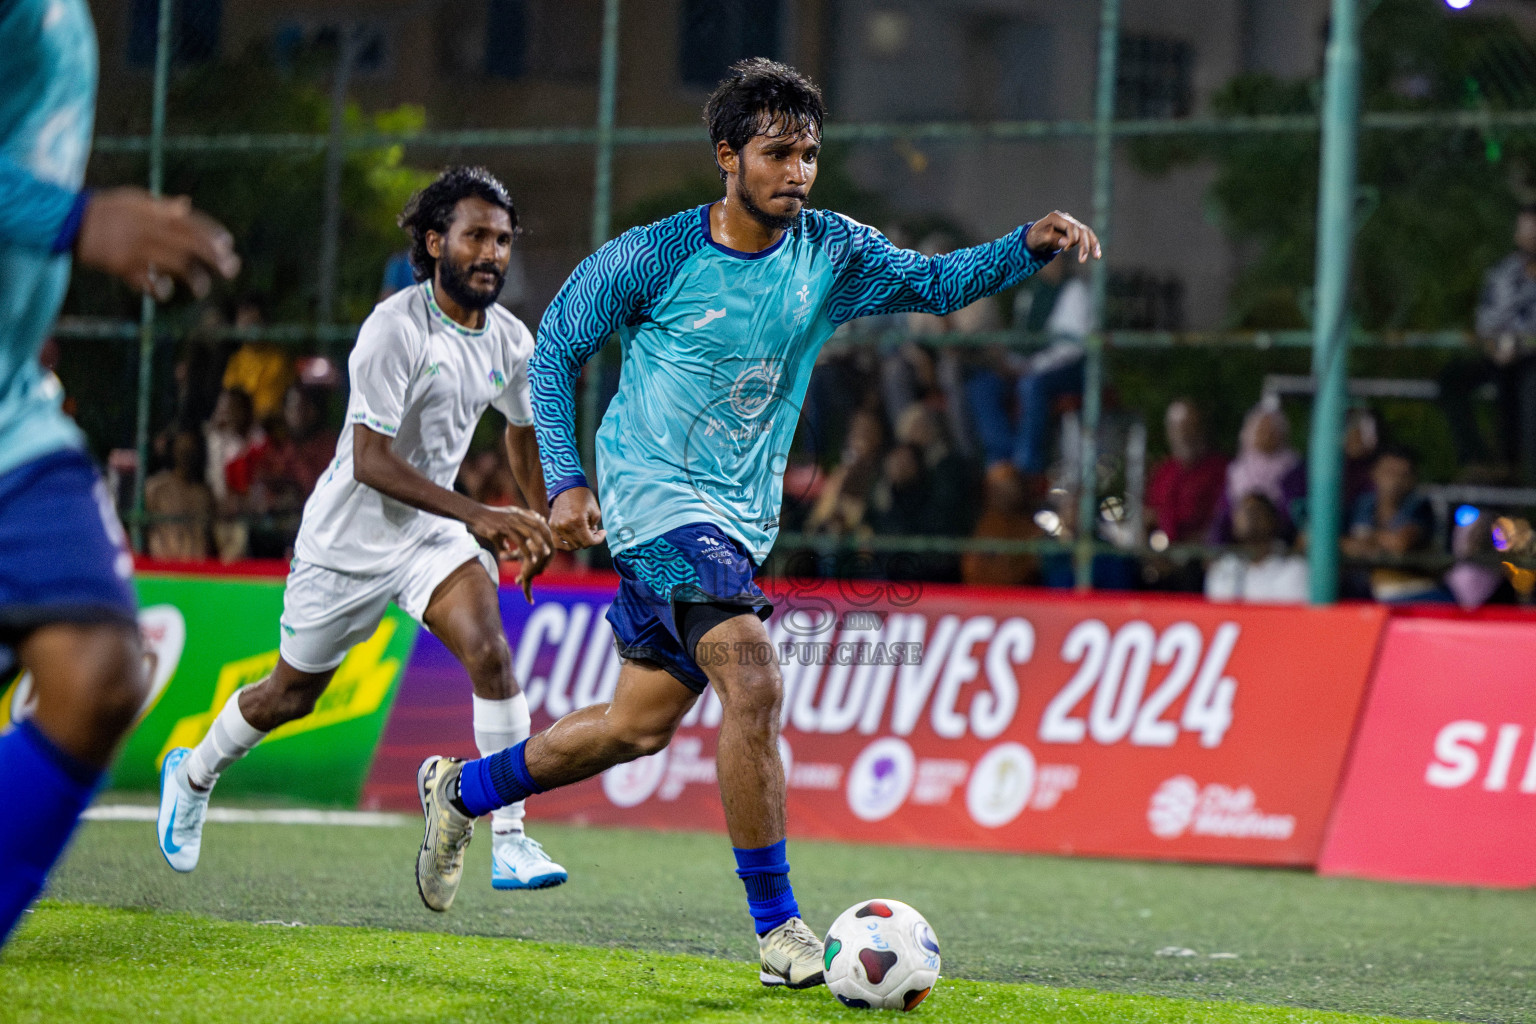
[1042, 258]
[565, 483]
[64, 241]
[375, 424]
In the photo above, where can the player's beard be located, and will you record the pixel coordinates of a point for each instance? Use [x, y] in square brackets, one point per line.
[768, 220]
[456, 284]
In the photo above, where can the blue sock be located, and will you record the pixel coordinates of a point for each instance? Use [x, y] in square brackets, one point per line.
[496, 781]
[765, 872]
[46, 789]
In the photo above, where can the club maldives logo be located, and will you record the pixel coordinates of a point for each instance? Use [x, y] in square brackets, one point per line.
[1181, 806]
[881, 778]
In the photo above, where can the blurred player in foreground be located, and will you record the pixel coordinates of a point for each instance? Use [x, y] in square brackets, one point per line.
[384, 523]
[721, 311]
[67, 609]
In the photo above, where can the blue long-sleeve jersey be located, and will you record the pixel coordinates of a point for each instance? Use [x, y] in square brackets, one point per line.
[718, 348]
[47, 106]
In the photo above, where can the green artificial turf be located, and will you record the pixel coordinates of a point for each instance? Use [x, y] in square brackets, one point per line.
[1286, 937]
[90, 964]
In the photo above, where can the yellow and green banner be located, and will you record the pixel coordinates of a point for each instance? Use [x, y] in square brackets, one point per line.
[205, 638]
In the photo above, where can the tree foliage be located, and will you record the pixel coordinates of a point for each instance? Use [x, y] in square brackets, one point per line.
[1435, 205]
[273, 202]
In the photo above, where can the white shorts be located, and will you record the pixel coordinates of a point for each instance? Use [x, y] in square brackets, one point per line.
[327, 612]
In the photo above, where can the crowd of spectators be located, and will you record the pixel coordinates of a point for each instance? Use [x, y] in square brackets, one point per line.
[904, 436]
[952, 441]
[248, 441]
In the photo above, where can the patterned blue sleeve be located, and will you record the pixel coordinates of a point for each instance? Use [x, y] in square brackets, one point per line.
[36, 213]
[610, 288]
[875, 277]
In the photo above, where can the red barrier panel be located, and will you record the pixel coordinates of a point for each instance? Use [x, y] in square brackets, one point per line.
[1441, 786]
[1010, 720]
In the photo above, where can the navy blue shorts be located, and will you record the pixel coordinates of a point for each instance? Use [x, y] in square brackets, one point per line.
[63, 556]
[693, 564]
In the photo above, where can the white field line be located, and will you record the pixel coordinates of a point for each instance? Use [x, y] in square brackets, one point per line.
[239, 816]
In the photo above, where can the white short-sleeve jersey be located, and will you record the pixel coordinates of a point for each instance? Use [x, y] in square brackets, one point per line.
[424, 380]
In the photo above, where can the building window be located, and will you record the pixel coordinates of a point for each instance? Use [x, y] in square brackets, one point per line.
[506, 38]
[194, 31]
[714, 34]
[548, 39]
[1008, 69]
[295, 42]
[1154, 77]
[1136, 300]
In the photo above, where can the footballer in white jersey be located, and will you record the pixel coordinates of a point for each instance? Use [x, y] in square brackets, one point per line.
[384, 523]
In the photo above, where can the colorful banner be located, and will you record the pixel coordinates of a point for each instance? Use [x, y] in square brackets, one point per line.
[204, 638]
[1441, 786]
[1010, 720]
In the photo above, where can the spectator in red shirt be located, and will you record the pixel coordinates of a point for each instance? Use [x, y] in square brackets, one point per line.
[1185, 487]
[286, 469]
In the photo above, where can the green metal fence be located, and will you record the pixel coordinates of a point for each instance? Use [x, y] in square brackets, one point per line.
[1330, 340]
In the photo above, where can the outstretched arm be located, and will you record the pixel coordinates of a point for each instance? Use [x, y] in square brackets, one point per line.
[605, 291]
[147, 241]
[879, 278]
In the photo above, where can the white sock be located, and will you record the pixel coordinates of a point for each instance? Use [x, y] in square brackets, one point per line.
[498, 725]
[229, 739]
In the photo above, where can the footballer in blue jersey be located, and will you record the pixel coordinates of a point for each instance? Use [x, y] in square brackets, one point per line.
[66, 604]
[720, 312]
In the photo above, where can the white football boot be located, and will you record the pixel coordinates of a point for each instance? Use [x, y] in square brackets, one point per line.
[179, 826]
[791, 955]
[518, 862]
[440, 863]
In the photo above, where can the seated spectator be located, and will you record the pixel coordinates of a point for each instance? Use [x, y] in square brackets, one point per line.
[260, 369]
[1474, 580]
[1005, 515]
[901, 505]
[1062, 307]
[1362, 436]
[230, 436]
[1055, 371]
[951, 480]
[1264, 571]
[179, 503]
[1264, 463]
[1394, 520]
[279, 476]
[1185, 487]
[899, 502]
[841, 506]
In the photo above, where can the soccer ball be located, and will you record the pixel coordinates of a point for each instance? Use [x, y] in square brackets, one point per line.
[881, 955]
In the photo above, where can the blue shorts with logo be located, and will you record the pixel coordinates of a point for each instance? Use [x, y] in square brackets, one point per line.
[693, 564]
[63, 556]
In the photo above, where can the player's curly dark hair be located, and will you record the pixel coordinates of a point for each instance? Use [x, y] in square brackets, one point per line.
[760, 95]
[431, 209]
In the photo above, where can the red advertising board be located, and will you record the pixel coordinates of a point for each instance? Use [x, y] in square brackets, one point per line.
[1008, 720]
[1441, 786]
